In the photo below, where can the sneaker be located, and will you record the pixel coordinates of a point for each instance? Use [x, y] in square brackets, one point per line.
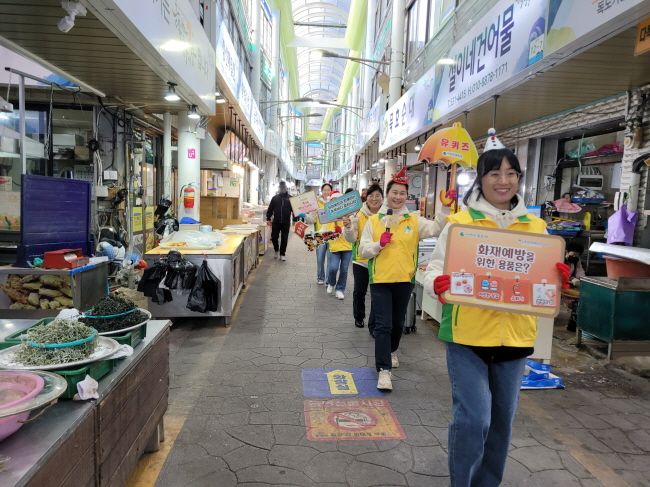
[394, 361]
[358, 323]
[340, 295]
[277, 255]
[330, 289]
[384, 383]
[320, 282]
[283, 258]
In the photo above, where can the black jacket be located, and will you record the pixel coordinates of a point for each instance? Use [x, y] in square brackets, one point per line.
[280, 209]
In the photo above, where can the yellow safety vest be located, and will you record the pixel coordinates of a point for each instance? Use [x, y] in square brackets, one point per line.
[339, 244]
[470, 325]
[397, 262]
[317, 223]
[362, 219]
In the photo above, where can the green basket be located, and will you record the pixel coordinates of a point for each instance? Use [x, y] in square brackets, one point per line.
[14, 338]
[133, 338]
[96, 370]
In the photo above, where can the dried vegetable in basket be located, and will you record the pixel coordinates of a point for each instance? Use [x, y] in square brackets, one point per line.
[32, 352]
[113, 313]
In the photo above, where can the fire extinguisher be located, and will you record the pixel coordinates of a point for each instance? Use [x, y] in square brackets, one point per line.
[188, 193]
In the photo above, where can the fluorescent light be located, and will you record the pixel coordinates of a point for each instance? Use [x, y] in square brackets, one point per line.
[221, 100]
[216, 93]
[446, 61]
[171, 92]
[174, 45]
[194, 115]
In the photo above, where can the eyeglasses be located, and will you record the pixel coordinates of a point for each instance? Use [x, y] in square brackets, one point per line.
[508, 175]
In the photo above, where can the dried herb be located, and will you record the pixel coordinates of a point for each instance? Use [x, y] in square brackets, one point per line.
[57, 331]
[128, 314]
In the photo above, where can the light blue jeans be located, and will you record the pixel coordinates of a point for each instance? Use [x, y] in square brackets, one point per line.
[485, 397]
[321, 255]
[338, 262]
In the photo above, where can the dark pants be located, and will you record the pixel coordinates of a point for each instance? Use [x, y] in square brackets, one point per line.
[361, 279]
[389, 302]
[276, 228]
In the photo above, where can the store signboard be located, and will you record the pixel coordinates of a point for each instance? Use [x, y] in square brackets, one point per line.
[227, 60]
[410, 114]
[569, 20]
[245, 97]
[313, 171]
[506, 40]
[369, 126]
[257, 122]
[271, 142]
[173, 29]
[504, 270]
[642, 37]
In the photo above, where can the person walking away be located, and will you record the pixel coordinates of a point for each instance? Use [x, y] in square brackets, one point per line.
[280, 212]
[321, 250]
[352, 230]
[339, 257]
[390, 242]
[486, 349]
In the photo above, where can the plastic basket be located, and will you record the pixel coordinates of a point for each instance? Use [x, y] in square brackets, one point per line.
[96, 370]
[14, 338]
[132, 338]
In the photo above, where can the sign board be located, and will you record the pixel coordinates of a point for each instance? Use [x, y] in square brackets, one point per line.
[355, 381]
[227, 60]
[504, 270]
[137, 219]
[568, 20]
[642, 37]
[313, 171]
[300, 228]
[173, 29]
[351, 419]
[304, 203]
[339, 207]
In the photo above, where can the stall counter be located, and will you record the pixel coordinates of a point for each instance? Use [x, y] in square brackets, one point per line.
[226, 261]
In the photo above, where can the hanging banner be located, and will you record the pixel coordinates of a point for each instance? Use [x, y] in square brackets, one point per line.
[568, 20]
[504, 270]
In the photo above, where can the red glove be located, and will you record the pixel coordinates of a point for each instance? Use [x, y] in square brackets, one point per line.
[338, 229]
[385, 239]
[440, 285]
[452, 194]
[565, 272]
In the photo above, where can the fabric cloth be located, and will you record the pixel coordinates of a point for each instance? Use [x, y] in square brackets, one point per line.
[279, 209]
[338, 263]
[620, 226]
[389, 302]
[321, 257]
[277, 230]
[497, 328]
[485, 397]
[361, 282]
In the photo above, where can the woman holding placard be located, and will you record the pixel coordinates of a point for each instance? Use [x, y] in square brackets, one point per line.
[486, 349]
[390, 242]
[353, 228]
[321, 250]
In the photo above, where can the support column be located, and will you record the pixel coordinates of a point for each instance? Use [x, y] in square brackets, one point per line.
[390, 168]
[256, 82]
[189, 172]
[167, 155]
[396, 52]
[369, 71]
[275, 61]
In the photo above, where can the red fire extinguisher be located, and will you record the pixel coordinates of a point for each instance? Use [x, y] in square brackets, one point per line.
[188, 196]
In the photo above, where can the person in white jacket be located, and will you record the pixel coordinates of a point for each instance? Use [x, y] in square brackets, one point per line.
[390, 241]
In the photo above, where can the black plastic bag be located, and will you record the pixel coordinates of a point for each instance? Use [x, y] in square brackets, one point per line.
[206, 292]
[151, 279]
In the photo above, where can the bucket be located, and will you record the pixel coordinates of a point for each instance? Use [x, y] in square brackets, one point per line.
[617, 267]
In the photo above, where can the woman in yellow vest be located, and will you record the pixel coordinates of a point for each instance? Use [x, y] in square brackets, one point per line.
[486, 349]
[338, 259]
[353, 228]
[390, 240]
[321, 250]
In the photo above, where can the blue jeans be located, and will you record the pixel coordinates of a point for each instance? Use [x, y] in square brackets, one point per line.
[485, 397]
[321, 255]
[338, 262]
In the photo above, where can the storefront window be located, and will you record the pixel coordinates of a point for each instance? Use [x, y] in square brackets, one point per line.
[417, 28]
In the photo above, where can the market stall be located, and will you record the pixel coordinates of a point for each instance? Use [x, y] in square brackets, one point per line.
[88, 443]
[225, 261]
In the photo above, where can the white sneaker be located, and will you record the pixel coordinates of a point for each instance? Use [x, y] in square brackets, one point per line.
[340, 295]
[277, 255]
[330, 289]
[320, 283]
[283, 258]
[384, 382]
[394, 361]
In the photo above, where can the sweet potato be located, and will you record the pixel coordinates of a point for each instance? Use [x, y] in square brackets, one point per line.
[50, 293]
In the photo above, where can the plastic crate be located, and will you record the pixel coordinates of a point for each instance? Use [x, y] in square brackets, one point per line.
[132, 338]
[96, 370]
[14, 338]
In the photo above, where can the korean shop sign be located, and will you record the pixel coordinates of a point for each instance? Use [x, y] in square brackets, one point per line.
[504, 42]
[410, 114]
[642, 37]
[173, 29]
[569, 20]
[227, 60]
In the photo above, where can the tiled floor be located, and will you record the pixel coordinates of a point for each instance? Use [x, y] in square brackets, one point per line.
[240, 393]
